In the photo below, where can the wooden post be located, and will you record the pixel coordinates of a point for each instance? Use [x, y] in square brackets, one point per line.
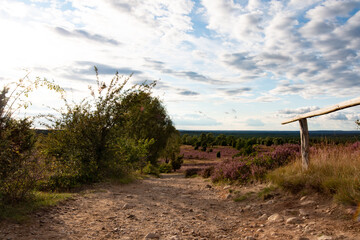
[304, 132]
[304, 135]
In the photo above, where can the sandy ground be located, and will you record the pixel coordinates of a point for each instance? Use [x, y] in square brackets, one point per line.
[174, 207]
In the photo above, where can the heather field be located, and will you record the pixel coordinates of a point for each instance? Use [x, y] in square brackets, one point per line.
[197, 160]
[333, 171]
[223, 163]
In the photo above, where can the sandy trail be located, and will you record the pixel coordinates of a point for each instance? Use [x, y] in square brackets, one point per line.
[174, 207]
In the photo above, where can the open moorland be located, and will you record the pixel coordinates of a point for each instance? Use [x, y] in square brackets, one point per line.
[114, 167]
[175, 207]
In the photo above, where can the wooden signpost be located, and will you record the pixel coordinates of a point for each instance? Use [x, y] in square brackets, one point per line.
[304, 132]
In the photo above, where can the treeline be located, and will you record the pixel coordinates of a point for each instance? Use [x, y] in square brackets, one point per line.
[206, 140]
[203, 141]
[110, 134]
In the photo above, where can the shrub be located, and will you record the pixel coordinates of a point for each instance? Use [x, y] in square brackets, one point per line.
[177, 162]
[129, 153]
[254, 166]
[19, 167]
[207, 172]
[151, 169]
[18, 164]
[165, 168]
[231, 170]
[115, 130]
[190, 172]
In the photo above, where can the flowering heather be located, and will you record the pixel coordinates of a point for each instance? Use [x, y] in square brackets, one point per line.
[255, 166]
[282, 154]
[231, 170]
[355, 146]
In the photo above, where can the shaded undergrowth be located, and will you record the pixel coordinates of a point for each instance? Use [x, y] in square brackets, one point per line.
[20, 212]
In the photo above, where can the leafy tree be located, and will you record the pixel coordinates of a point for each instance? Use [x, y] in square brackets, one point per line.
[185, 139]
[221, 140]
[210, 139]
[146, 118]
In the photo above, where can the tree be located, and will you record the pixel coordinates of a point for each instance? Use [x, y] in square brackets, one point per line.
[220, 140]
[146, 118]
[117, 129]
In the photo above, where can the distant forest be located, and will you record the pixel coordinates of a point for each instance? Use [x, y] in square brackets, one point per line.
[333, 136]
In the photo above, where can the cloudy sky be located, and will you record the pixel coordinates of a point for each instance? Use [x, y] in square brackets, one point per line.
[220, 64]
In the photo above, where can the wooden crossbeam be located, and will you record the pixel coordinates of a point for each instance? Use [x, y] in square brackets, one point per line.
[337, 107]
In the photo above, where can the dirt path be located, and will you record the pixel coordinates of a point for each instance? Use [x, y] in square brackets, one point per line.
[173, 207]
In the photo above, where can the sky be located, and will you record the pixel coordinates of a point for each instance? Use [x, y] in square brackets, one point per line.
[219, 64]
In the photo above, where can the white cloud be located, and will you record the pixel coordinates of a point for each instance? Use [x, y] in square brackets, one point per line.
[235, 52]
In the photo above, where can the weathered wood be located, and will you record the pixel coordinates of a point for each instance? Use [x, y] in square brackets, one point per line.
[304, 135]
[342, 105]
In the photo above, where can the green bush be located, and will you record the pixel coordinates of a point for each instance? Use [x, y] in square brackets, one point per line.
[151, 169]
[118, 130]
[19, 165]
[165, 168]
[177, 163]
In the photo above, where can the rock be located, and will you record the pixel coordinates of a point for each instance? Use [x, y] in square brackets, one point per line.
[324, 237]
[275, 218]
[293, 220]
[152, 236]
[248, 207]
[303, 212]
[131, 216]
[308, 229]
[350, 211]
[309, 202]
[263, 217]
[290, 212]
[249, 238]
[174, 237]
[127, 206]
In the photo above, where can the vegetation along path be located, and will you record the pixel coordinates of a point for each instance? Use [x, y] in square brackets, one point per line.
[174, 207]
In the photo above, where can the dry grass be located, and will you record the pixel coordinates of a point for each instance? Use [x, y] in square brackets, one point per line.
[334, 170]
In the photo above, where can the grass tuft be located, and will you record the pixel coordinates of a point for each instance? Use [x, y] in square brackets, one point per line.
[334, 170]
[267, 193]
